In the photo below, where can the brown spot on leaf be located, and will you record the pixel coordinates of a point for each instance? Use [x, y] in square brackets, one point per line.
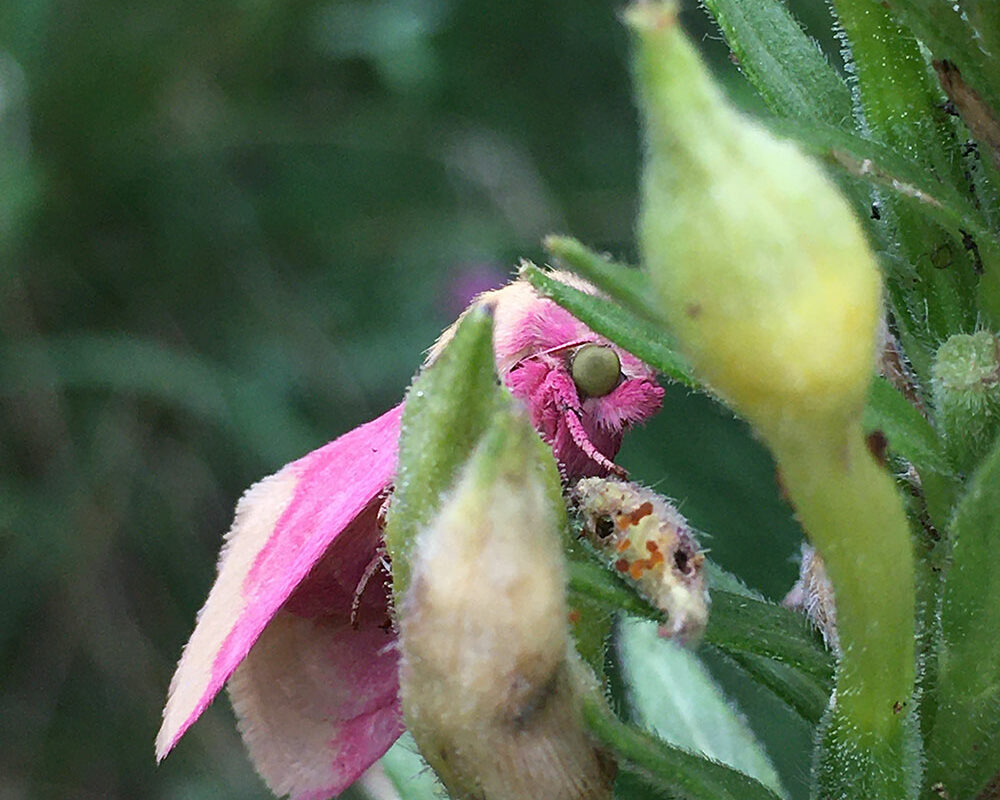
[878, 446]
[976, 113]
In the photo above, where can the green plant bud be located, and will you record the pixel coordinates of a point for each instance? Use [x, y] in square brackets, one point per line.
[490, 684]
[966, 381]
[761, 267]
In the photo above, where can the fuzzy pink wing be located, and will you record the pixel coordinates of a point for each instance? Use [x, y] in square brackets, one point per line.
[284, 525]
[317, 703]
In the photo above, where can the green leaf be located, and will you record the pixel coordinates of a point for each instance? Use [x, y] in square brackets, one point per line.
[947, 29]
[626, 285]
[673, 696]
[773, 644]
[642, 339]
[669, 769]
[984, 17]
[901, 106]
[785, 66]
[910, 435]
[448, 408]
[902, 109]
[805, 695]
[963, 751]
[741, 624]
[922, 193]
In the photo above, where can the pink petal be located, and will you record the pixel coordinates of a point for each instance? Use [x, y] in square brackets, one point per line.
[284, 524]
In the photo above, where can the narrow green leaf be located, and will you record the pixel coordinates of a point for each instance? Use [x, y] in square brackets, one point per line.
[669, 769]
[984, 17]
[946, 29]
[963, 752]
[775, 645]
[785, 66]
[741, 624]
[640, 338]
[673, 696]
[901, 106]
[910, 435]
[626, 285]
[448, 408]
[902, 109]
[806, 696]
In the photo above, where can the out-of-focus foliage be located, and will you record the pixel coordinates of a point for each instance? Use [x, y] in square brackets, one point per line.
[227, 233]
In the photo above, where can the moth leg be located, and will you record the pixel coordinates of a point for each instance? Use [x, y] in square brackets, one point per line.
[558, 393]
[569, 405]
[380, 560]
[575, 428]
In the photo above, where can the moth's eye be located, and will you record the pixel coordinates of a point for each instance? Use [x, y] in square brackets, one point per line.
[595, 370]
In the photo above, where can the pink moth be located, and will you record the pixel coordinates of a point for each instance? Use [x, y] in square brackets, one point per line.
[296, 624]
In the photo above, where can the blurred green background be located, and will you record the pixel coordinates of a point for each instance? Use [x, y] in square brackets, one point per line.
[228, 231]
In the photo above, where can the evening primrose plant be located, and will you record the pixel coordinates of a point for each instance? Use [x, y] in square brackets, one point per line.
[831, 273]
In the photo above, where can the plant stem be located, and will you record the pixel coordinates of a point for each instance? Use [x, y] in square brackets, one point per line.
[849, 506]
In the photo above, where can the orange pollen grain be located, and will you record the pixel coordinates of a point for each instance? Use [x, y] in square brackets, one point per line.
[652, 547]
[621, 565]
[623, 545]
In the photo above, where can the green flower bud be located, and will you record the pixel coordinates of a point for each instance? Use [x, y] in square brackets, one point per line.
[762, 268]
[490, 684]
[966, 381]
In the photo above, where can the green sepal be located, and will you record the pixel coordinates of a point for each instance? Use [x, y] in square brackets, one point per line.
[448, 408]
[966, 382]
[963, 750]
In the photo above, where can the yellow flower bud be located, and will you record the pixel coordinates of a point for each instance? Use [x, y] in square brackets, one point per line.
[762, 268]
